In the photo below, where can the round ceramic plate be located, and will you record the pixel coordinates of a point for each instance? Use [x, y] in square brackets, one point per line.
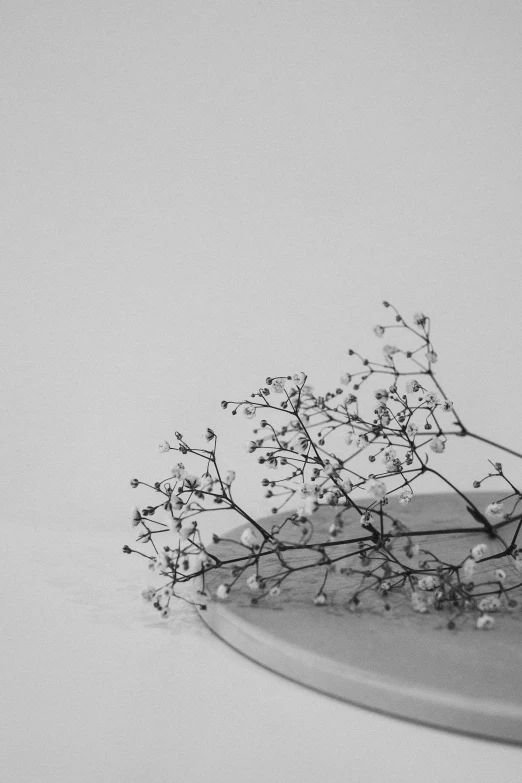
[391, 659]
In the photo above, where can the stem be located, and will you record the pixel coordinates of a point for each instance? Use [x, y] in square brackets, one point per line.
[492, 443]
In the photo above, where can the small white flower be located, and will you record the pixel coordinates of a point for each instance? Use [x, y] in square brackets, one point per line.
[361, 441]
[165, 612]
[349, 438]
[177, 503]
[411, 430]
[437, 445]
[366, 518]
[305, 489]
[494, 510]
[207, 482]
[175, 524]
[378, 331]
[381, 394]
[419, 319]
[346, 378]
[222, 592]
[468, 569]
[136, 517]
[248, 538]
[302, 444]
[418, 603]
[405, 495]
[251, 446]
[299, 378]
[347, 485]
[309, 507]
[148, 594]
[447, 405]
[249, 411]
[185, 532]
[179, 472]
[500, 574]
[432, 357]
[330, 497]
[389, 351]
[278, 385]
[388, 454]
[490, 603]
[254, 583]
[163, 559]
[320, 599]
[431, 399]
[390, 459]
[412, 387]
[376, 489]
[427, 583]
[204, 559]
[274, 591]
[517, 560]
[485, 622]
[230, 476]
[192, 482]
[163, 446]
[479, 551]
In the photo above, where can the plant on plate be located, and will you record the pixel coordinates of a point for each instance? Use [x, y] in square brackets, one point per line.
[386, 425]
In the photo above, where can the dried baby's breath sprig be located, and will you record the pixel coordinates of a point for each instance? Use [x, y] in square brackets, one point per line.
[317, 450]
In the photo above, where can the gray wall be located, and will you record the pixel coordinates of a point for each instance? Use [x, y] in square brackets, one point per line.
[198, 194]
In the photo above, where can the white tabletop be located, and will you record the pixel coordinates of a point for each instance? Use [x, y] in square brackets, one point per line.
[96, 688]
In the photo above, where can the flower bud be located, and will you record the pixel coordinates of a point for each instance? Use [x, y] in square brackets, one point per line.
[248, 538]
[222, 592]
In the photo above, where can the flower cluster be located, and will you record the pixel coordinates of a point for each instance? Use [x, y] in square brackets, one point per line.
[312, 447]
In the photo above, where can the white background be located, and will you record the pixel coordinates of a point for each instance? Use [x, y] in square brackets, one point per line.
[197, 195]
